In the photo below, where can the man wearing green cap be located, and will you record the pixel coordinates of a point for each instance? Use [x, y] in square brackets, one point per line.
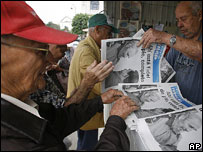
[87, 51]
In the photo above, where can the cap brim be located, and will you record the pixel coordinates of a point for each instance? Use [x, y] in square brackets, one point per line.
[45, 34]
[115, 30]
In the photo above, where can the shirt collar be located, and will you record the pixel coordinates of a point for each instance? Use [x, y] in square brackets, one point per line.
[21, 104]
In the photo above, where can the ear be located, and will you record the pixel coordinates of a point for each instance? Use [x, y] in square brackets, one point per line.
[97, 29]
[200, 15]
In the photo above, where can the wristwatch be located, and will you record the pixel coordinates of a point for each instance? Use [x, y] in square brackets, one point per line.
[172, 40]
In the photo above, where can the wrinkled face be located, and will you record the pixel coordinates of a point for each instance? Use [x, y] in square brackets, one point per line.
[24, 67]
[188, 23]
[104, 32]
[58, 51]
[107, 32]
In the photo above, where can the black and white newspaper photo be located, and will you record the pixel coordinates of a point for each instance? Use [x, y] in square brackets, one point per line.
[153, 100]
[133, 86]
[177, 131]
[132, 64]
[167, 71]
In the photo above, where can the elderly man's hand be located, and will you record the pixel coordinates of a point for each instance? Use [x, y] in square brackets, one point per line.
[54, 67]
[111, 95]
[151, 36]
[123, 107]
[97, 72]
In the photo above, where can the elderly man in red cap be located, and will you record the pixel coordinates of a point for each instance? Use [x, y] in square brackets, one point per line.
[24, 58]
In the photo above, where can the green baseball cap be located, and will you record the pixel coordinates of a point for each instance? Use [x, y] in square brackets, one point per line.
[100, 19]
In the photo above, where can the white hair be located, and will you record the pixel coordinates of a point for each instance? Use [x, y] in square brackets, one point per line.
[196, 6]
[91, 29]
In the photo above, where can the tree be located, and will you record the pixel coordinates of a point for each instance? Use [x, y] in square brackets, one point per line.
[52, 25]
[79, 23]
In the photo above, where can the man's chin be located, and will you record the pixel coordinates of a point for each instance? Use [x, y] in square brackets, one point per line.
[187, 35]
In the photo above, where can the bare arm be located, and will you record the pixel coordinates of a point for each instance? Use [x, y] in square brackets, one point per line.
[189, 47]
[94, 74]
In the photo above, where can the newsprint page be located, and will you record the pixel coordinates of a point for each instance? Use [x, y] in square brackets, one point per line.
[134, 64]
[174, 131]
[165, 121]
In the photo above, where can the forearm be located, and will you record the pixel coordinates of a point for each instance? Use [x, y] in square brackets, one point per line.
[189, 47]
[69, 119]
[80, 94]
[78, 114]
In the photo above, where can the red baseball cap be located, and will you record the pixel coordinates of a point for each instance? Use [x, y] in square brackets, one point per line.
[19, 19]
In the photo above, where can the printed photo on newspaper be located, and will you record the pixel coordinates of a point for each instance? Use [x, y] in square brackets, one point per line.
[177, 131]
[167, 71]
[153, 99]
[132, 64]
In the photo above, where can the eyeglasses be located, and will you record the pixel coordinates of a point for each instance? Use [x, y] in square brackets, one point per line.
[49, 56]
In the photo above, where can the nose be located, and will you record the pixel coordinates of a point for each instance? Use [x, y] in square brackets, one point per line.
[180, 24]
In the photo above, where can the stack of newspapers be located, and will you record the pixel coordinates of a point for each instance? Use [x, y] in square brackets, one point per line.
[165, 121]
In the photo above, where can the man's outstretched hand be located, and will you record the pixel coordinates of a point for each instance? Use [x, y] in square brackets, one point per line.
[97, 72]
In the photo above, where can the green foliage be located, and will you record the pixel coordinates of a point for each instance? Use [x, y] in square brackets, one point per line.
[79, 23]
[66, 29]
[55, 26]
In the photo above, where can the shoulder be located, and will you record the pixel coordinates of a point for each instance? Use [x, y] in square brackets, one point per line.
[84, 49]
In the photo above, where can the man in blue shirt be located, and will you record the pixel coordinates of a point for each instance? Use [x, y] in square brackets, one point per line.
[185, 55]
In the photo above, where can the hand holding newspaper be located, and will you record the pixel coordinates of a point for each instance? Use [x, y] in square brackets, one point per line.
[153, 99]
[135, 64]
[165, 120]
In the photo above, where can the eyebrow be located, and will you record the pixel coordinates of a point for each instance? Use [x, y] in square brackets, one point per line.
[183, 16]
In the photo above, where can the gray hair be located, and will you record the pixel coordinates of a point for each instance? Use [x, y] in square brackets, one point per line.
[91, 29]
[196, 6]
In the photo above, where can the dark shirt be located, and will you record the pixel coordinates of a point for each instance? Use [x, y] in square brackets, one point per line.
[21, 130]
[188, 75]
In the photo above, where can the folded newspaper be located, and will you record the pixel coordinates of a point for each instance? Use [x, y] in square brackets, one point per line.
[153, 99]
[135, 64]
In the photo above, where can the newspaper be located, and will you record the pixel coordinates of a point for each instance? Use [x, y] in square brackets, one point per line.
[167, 71]
[142, 74]
[180, 130]
[135, 64]
[153, 99]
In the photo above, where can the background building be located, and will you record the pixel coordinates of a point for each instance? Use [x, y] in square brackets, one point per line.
[84, 7]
